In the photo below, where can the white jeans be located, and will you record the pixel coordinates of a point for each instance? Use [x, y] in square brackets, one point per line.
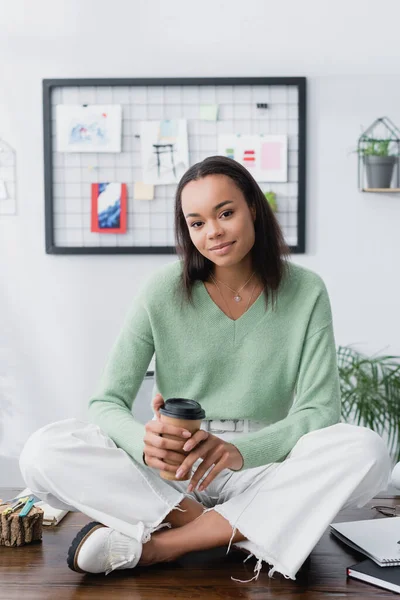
[281, 508]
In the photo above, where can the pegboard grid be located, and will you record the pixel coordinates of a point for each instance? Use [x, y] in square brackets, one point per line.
[150, 224]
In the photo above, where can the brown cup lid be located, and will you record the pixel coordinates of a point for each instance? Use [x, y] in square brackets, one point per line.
[182, 408]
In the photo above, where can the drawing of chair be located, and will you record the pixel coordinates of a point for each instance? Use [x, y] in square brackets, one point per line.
[160, 149]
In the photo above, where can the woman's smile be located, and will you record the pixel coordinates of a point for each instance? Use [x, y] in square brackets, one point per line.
[224, 250]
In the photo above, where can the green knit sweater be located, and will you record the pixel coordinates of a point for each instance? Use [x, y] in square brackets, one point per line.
[276, 365]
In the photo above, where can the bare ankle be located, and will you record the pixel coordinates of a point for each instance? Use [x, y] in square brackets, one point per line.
[154, 552]
[148, 554]
[177, 518]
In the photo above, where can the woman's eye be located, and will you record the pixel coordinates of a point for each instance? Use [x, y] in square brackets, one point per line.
[226, 212]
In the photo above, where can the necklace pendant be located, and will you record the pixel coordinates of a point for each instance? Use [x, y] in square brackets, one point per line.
[237, 298]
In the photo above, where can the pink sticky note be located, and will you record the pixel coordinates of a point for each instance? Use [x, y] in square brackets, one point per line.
[271, 155]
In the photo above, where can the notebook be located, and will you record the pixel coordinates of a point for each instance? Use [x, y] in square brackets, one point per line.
[375, 538]
[51, 516]
[368, 571]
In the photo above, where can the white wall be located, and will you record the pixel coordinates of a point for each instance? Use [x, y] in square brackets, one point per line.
[54, 331]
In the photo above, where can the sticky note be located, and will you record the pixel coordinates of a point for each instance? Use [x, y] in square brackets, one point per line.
[209, 112]
[168, 129]
[3, 190]
[143, 191]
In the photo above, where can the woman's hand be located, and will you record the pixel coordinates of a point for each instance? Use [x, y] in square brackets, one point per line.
[213, 451]
[157, 403]
[202, 444]
[157, 449]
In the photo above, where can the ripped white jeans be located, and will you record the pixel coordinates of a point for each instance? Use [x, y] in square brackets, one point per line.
[281, 508]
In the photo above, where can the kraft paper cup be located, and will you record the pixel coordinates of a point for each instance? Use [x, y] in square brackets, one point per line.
[191, 424]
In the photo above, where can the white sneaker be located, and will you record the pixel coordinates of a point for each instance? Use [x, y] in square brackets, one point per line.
[100, 549]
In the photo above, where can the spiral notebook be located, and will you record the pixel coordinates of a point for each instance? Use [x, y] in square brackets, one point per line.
[378, 539]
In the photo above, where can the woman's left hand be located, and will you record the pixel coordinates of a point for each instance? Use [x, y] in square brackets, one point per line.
[213, 451]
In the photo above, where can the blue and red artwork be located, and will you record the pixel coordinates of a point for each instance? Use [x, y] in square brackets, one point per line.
[108, 208]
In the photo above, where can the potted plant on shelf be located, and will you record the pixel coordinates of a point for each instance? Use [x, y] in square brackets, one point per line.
[379, 162]
[378, 151]
[370, 389]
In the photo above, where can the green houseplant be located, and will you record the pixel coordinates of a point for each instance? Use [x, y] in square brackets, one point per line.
[376, 147]
[379, 160]
[370, 389]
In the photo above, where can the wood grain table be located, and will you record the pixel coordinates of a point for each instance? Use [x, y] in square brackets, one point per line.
[39, 571]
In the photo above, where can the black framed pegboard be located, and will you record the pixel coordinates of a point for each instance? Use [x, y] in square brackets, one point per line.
[261, 106]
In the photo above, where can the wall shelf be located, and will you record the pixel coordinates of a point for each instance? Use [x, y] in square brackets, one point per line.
[377, 150]
[382, 190]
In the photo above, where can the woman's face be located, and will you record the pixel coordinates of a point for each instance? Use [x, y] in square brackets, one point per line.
[216, 214]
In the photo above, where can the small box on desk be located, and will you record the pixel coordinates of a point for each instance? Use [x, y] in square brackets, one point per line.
[18, 531]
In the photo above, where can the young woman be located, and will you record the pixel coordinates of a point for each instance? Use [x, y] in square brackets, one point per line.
[248, 334]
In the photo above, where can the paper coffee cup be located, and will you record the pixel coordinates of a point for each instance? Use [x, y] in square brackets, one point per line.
[183, 413]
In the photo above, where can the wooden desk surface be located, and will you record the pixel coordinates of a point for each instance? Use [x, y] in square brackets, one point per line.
[39, 571]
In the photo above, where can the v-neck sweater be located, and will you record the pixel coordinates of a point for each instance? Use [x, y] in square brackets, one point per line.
[275, 364]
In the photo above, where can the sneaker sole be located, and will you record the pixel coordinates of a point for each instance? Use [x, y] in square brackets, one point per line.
[79, 539]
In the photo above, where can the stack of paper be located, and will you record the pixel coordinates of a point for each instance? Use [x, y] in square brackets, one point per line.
[52, 516]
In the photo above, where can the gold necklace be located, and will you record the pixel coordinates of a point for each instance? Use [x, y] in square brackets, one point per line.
[226, 304]
[236, 297]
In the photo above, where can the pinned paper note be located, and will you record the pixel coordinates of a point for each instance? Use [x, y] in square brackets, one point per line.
[143, 191]
[164, 151]
[265, 156]
[108, 208]
[169, 129]
[3, 190]
[88, 128]
[209, 112]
